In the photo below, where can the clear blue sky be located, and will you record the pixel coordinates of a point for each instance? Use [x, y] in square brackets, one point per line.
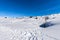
[29, 7]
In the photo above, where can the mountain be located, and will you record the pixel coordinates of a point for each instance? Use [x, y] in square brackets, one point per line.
[30, 28]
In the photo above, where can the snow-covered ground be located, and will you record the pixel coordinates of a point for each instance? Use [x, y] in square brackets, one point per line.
[30, 28]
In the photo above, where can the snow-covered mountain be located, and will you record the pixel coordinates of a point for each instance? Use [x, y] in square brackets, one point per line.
[30, 28]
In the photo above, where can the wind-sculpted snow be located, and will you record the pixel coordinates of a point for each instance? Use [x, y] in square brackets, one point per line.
[18, 34]
[30, 28]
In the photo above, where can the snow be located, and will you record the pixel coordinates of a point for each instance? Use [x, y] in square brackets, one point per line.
[30, 28]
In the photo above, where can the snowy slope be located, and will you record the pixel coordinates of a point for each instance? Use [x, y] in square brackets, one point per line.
[29, 28]
[53, 32]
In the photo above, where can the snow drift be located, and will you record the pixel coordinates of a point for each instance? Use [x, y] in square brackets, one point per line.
[30, 28]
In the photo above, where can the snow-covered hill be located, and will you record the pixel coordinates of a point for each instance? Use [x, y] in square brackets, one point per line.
[30, 28]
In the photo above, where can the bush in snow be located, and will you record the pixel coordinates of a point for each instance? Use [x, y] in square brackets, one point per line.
[30, 16]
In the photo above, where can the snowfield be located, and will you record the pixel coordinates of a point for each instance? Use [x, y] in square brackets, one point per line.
[35, 28]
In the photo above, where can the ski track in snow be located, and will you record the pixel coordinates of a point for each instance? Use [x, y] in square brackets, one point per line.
[29, 28]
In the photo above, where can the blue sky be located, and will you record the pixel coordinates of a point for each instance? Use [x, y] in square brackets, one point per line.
[29, 7]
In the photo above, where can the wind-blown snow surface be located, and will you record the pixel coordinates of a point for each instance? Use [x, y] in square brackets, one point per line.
[29, 28]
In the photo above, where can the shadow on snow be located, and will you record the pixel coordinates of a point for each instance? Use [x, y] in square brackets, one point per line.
[47, 24]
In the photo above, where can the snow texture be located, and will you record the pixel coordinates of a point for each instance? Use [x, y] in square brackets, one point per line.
[30, 28]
